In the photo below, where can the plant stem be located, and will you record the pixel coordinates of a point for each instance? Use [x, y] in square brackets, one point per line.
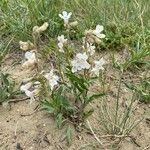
[95, 135]
[117, 102]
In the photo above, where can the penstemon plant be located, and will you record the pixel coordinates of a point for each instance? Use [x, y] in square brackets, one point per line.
[70, 77]
[70, 90]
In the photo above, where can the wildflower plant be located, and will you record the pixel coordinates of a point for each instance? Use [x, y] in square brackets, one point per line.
[70, 89]
[71, 81]
[69, 78]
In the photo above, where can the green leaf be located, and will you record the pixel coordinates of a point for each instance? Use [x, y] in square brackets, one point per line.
[94, 96]
[6, 88]
[69, 135]
[88, 113]
[78, 81]
[130, 86]
[46, 105]
[59, 120]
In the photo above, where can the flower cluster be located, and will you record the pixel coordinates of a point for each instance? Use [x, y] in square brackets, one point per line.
[32, 89]
[80, 62]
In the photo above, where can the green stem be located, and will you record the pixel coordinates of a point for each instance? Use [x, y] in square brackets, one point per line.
[117, 102]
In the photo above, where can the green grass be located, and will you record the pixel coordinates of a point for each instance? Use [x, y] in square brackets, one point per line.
[125, 21]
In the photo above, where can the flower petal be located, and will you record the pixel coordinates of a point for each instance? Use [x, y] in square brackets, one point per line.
[101, 36]
[64, 13]
[26, 86]
[99, 28]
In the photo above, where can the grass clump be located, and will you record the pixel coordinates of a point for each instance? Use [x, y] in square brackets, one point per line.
[142, 90]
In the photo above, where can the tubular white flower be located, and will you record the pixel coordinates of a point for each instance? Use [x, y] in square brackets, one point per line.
[80, 62]
[62, 39]
[60, 45]
[25, 87]
[30, 55]
[98, 30]
[31, 59]
[52, 79]
[98, 66]
[61, 42]
[30, 94]
[65, 16]
[90, 49]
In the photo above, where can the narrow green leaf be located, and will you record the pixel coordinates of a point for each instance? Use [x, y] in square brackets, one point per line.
[69, 135]
[94, 96]
[59, 120]
[88, 113]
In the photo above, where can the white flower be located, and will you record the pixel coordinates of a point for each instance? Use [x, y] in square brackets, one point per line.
[90, 49]
[52, 79]
[62, 39]
[60, 45]
[98, 66]
[98, 30]
[61, 42]
[30, 56]
[31, 59]
[30, 94]
[80, 62]
[25, 88]
[65, 16]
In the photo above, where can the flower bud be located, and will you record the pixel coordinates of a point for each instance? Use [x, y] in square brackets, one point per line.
[43, 27]
[37, 29]
[73, 24]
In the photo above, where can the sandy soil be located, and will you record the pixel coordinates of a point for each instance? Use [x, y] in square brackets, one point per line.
[23, 128]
